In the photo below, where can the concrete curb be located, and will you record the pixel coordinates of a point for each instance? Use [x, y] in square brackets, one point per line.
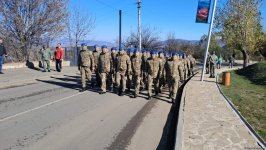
[179, 130]
[35, 64]
[251, 130]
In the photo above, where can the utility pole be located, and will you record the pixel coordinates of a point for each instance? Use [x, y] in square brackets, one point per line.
[139, 25]
[209, 40]
[120, 27]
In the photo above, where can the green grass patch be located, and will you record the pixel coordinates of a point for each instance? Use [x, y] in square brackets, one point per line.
[248, 94]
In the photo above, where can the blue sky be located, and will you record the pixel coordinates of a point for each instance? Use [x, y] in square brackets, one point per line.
[166, 16]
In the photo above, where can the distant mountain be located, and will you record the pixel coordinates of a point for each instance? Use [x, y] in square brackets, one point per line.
[65, 43]
[182, 41]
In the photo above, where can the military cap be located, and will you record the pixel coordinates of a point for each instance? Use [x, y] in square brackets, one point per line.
[121, 48]
[137, 50]
[153, 52]
[113, 49]
[96, 45]
[104, 46]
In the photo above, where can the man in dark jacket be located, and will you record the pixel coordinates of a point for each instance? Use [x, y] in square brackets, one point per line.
[2, 54]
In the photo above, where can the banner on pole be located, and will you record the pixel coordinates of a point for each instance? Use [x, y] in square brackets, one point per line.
[203, 11]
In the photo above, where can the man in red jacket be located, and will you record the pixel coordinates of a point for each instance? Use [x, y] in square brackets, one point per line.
[59, 54]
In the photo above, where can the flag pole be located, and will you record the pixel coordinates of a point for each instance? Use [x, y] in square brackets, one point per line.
[209, 39]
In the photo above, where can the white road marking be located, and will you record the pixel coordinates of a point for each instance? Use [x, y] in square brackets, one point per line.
[39, 107]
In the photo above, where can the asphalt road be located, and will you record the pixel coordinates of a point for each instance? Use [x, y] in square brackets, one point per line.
[46, 112]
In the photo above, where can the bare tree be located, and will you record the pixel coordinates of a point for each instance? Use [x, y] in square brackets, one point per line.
[79, 26]
[171, 43]
[24, 23]
[149, 36]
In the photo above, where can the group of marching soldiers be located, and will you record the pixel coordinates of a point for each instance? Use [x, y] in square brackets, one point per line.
[123, 69]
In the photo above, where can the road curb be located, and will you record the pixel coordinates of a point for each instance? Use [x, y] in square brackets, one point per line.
[179, 130]
[251, 130]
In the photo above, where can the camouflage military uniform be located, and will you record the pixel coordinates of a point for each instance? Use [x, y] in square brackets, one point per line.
[213, 62]
[188, 67]
[143, 82]
[175, 73]
[208, 64]
[136, 70]
[154, 71]
[162, 78]
[104, 67]
[96, 54]
[192, 65]
[113, 67]
[185, 62]
[123, 67]
[86, 65]
[130, 75]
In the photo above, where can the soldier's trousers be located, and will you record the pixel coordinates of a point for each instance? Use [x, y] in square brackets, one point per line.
[137, 79]
[46, 65]
[121, 81]
[98, 78]
[143, 81]
[174, 84]
[103, 77]
[213, 71]
[129, 81]
[85, 75]
[155, 81]
[185, 74]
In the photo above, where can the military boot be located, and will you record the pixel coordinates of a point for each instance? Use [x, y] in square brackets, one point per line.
[83, 89]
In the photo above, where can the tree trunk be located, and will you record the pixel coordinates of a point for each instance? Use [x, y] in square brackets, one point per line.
[245, 58]
[263, 53]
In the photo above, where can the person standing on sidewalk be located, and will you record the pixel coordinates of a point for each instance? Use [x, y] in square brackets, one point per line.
[213, 63]
[2, 54]
[136, 70]
[46, 56]
[85, 65]
[59, 55]
[220, 61]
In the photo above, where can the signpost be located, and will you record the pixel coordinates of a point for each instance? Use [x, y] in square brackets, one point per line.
[202, 17]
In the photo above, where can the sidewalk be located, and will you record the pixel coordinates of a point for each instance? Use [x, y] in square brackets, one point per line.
[208, 121]
[25, 74]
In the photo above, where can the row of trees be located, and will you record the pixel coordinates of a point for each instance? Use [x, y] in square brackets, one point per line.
[238, 23]
[27, 24]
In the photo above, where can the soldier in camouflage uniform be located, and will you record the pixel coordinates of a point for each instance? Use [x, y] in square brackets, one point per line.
[136, 70]
[162, 78]
[123, 68]
[96, 54]
[143, 82]
[186, 66]
[192, 64]
[85, 65]
[113, 65]
[104, 67]
[130, 76]
[213, 63]
[154, 71]
[46, 56]
[175, 74]
[208, 64]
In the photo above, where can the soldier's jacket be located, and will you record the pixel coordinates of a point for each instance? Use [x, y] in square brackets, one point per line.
[174, 69]
[213, 59]
[184, 64]
[208, 62]
[123, 64]
[155, 67]
[113, 62]
[188, 63]
[163, 61]
[104, 63]
[144, 64]
[45, 54]
[192, 62]
[136, 65]
[96, 55]
[86, 58]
